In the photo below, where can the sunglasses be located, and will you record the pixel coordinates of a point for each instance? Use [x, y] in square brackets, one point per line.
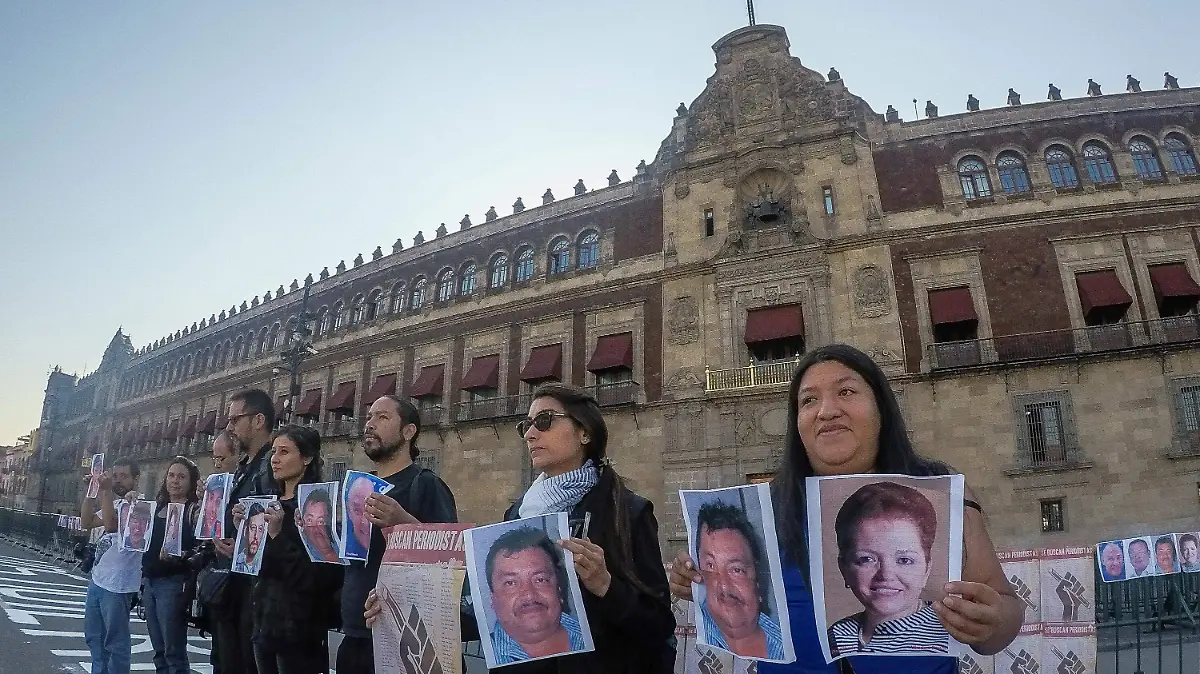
[542, 421]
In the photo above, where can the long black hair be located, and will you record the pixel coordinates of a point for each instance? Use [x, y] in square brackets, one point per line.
[610, 521]
[896, 453]
[308, 441]
[193, 479]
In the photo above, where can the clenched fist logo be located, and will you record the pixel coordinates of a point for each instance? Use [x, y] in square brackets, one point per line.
[1069, 663]
[1070, 592]
[709, 664]
[1023, 591]
[1023, 663]
[967, 665]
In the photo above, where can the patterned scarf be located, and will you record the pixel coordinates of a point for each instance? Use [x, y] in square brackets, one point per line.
[559, 493]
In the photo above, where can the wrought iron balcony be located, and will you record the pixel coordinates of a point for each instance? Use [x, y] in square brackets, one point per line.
[1048, 344]
[774, 373]
[348, 427]
[616, 393]
[491, 408]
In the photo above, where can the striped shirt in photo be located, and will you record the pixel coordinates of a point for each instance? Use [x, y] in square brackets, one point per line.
[919, 633]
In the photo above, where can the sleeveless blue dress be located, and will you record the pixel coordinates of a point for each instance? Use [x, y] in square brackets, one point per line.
[808, 645]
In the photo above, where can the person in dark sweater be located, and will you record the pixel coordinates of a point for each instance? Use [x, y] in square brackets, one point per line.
[293, 598]
[419, 495]
[164, 577]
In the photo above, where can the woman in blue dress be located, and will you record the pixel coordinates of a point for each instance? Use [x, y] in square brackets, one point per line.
[847, 421]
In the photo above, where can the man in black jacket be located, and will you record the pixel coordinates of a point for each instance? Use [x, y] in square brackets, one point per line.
[419, 495]
[251, 421]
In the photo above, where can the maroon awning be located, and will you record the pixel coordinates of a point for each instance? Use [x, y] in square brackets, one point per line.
[771, 323]
[172, 430]
[545, 362]
[431, 382]
[342, 400]
[951, 305]
[612, 352]
[484, 373]
[189, 428]
[1172, 280]
[1101, 289]
[385, 385]
[208, 425]
[310, 405]
[157, 433]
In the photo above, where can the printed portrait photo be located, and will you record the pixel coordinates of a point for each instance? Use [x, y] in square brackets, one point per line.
[1110, 560]
[1139, 558]
[173, 534]
[315, 518]
[528, 604]
[741, 607]
[888, 544]
[1166, 561]
[1188, 546]
[137, 526]
[211, 523]
[356, 528]
[97, 467]
[251, 536]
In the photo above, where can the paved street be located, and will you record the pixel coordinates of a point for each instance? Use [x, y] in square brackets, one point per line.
[41, 629]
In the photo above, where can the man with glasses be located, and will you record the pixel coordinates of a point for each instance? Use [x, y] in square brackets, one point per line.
[419, 495]
[251, 422]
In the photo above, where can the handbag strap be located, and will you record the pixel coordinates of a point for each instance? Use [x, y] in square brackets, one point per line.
[844, 666]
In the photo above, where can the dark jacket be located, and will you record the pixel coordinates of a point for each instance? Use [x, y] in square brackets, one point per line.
[631, 630]
[253, 477]
[294, 597]
[152, 565]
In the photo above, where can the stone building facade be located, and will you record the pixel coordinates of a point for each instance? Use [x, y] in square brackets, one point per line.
[14, 473]
[1026, 276]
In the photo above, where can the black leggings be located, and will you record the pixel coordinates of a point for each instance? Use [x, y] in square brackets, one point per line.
[308, 657]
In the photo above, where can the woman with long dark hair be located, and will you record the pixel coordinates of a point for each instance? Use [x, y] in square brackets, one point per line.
[294, 597]
[844, 420]
[164, 586]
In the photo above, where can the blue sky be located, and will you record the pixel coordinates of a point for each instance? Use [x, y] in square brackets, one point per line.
[160, 162]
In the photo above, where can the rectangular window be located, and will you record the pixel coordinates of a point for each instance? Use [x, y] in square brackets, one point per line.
[1043, 421]
[827, 196]
[1187, 404]
[337, 472]
[710, 222]
[1053, 518]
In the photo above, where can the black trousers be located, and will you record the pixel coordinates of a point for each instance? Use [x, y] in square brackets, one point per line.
[232, 629]
[356, 655]
[308, 657]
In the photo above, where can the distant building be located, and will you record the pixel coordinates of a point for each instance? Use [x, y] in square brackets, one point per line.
[14, 473]
[1027, 275]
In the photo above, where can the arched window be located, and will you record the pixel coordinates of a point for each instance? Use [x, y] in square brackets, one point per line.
[1014, 178]
[498, 275]
[589, 250]
[339, 316]
[445, 285]
[373, 301]
[238, 347]
[1145, 159]
[973, 175]
[1061, 165]
[398, 298]
[249, 346]
[289, 330]
[186, 369]
[356, 310]
[466, 283]
[524, 265]
[1097, 161]
[416, 298]
[1181, 155]
[560, 256]
[262, 342]
[323, 322]
[274, 340]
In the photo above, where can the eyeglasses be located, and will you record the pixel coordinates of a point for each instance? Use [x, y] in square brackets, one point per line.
[542, 421]
[234, 419]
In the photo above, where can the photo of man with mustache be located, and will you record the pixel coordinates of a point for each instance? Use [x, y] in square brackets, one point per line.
[528, 584]
[316, 525]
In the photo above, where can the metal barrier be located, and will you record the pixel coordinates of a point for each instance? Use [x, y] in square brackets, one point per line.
[1149, 625]
[39, 533]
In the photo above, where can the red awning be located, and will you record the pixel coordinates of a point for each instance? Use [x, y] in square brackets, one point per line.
[771, 323]
[545, 362]
[342, 400]
[189, 428]
[208, 425]
[310, 405]
[430, 383]
[484, 373]
[1100, 289]
[1172, 280]
[385, 385]
[612, 352]
[172, 430]
[157, 433]
[951, 305]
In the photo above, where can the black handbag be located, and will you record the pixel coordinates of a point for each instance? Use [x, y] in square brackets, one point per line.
[211, 586]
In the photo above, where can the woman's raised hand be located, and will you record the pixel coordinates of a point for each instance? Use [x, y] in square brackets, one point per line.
[683, 574]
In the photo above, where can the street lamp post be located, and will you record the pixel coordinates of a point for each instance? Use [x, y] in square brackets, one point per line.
[299, 348]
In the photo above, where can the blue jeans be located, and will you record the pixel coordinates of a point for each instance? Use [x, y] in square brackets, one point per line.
[106, 630]
[167, 623]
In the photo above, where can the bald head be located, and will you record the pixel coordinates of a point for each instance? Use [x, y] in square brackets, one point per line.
[226, 450]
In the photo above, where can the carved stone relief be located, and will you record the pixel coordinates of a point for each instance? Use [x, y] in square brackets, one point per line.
[883, 355]
[683, 320]
[684, 378]
[774, 422]
[743, 429]
[871, 292]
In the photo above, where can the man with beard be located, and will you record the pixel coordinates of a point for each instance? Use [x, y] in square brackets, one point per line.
[256, 525]
[251, 421]
[418, 495]
[116, 575]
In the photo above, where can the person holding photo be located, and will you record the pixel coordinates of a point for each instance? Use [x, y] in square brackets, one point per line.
[225, 654]
[165, 577]
[844, 420]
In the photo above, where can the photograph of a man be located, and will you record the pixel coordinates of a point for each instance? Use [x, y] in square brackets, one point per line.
[315, 518]
[1110, 555]
[173, 536]
[1164, 555]
[356, 528]
[1140, 563]
[212, 520]
[137, 532]
[96, 470]
[251, 538]
[1189, 552]
[527, 586]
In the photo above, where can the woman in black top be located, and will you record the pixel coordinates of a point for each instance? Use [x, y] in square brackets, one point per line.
[165, 575]
[295, 598]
